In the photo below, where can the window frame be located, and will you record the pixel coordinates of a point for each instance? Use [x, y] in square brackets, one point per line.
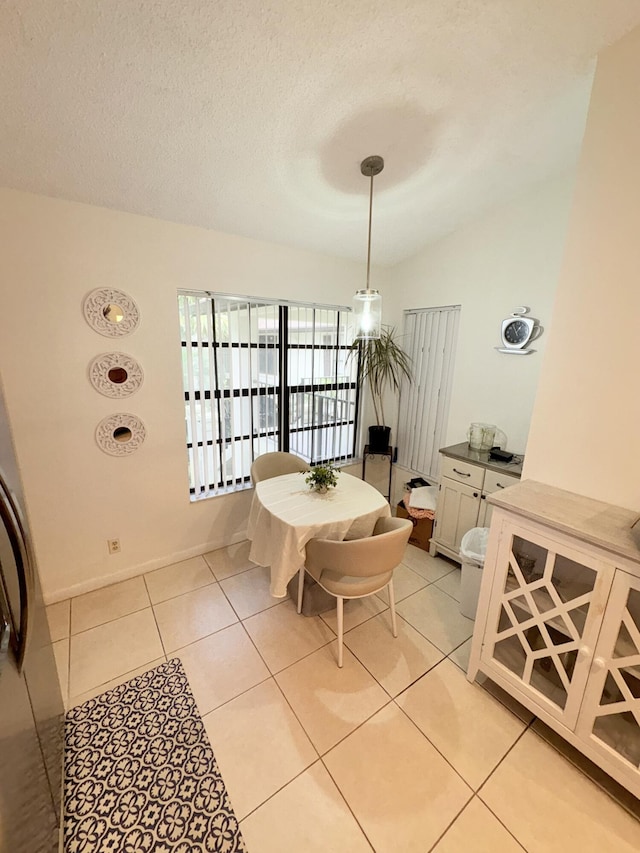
[208, 400]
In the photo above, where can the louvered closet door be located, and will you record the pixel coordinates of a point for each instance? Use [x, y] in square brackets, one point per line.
[430, 337]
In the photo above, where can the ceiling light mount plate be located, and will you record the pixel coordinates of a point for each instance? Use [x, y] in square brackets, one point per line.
[372, 166]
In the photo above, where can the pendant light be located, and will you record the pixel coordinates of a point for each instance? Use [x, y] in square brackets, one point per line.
[367, 304]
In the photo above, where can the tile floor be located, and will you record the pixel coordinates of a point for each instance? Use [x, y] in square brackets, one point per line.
[395, 752]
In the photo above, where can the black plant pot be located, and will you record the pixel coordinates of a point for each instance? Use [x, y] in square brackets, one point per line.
[379, 439]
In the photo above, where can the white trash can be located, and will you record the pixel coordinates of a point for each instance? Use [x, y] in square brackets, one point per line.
[472, 553]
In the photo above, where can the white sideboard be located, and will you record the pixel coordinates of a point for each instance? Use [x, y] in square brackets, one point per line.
[467, 479]
[558, 621]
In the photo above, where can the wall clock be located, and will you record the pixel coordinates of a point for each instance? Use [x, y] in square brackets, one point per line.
[517, 331]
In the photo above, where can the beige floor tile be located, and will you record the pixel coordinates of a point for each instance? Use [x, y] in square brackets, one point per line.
[111, 602]
[192, 616]
[283, 637]
[61, 655]
[309, 815]
[59, 619]
[551, 807]
[586, 766]
[249, 593]
[451, 584]
[437, 616]
[505, 698]
[405, 582]
[259, 745]
[468, 726]
[330, 702]
[231, 560]
[356, 611]
[178, 578]
[115, 682]
[460, 656]
[477, 830]
[396, 662]
[428, 567]
[401, 791]
[222, 666]
[103, 653]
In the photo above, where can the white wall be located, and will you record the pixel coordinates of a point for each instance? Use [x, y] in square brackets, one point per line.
[53, 254]
[586, 426]
[508, 257]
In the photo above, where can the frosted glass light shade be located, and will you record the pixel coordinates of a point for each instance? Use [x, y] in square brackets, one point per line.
[367, 314]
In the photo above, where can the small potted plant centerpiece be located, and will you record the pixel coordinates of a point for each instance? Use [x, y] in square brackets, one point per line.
[321, 478]
[383, 364]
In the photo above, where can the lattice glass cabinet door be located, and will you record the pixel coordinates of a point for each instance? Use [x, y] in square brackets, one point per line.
[610, 715]
[542, 628]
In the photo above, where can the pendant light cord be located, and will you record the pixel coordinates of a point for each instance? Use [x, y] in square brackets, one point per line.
[369, 241]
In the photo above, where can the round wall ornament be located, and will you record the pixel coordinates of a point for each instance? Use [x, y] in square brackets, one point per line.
[111, 312]
[115, 374]
[120, 434]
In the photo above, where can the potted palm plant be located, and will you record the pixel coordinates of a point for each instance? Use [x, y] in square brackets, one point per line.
[383, 364]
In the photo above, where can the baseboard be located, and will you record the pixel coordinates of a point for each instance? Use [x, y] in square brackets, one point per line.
[91, 584]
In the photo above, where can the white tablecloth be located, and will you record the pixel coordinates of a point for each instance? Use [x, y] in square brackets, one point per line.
[285, 514]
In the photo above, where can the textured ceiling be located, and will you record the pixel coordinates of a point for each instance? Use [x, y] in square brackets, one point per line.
[252, 117]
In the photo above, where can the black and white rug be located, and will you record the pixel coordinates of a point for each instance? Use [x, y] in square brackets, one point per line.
[140, 775]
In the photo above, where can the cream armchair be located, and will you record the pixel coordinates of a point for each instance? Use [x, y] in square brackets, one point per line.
[274, 464]
[356, 568]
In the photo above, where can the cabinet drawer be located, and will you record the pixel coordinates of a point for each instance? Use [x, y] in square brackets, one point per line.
[462, 472]
[494, 482]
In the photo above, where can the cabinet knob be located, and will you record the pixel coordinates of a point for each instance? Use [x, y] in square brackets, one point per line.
[584, 652]
[475, 494]
[599, 663]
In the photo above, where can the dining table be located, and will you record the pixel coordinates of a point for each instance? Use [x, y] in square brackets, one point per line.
[285, 514]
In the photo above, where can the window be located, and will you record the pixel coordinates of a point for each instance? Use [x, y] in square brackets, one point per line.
[431, 335]
[261, 376]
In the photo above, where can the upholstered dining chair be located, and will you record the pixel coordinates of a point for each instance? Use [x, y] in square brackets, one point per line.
[274, 464]
[356, 568]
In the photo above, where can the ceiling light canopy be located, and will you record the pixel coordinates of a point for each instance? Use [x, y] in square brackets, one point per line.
[367, 304]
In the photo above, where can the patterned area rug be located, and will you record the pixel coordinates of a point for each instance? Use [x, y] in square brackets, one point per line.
[140, 775]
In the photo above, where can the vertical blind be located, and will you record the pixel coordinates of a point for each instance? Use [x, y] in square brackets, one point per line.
[431, 335]
[262, 376]
[320, 385]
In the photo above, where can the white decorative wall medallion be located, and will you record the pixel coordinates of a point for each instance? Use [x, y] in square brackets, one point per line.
[121, 434]
[111, 312]
[115, 374]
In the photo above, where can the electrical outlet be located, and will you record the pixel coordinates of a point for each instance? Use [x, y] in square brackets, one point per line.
[114, 546]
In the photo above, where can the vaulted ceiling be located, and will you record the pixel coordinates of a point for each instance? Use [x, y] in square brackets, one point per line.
[252, 116]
